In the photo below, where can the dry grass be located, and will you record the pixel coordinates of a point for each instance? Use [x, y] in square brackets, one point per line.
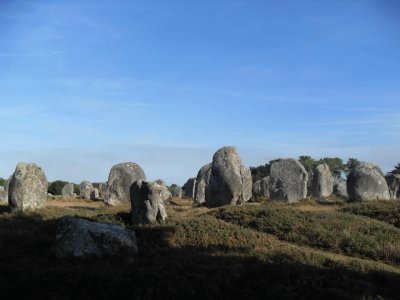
[192, 255]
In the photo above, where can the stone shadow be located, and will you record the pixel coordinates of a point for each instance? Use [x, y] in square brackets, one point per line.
[29, 270]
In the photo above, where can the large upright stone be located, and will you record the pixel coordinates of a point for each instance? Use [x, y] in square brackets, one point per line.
[120, 180]
[202, 180]
[288, 181]
[2, 195]
[102, 187]
[27, 188]
[322, 181]
[147, 205]
[67, 191]
[340, 188]
[367, 182]
[230, 182]
[85, 190]
[261, 188]
[189, 188]
[6, 188]
[393, 181]
[165, 193]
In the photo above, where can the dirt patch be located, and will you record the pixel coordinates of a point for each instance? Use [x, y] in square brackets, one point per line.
[72, 203]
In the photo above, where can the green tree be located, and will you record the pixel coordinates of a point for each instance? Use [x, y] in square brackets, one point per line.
[396, 169]
[308, 163]
[351, 164]
[335, 164]
[2, 181]
[56, 187]
[257, 173]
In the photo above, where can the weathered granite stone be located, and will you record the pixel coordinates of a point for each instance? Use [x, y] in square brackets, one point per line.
[2, 195]
[202, 180]
[367, 182]
[189, 188]
[288, 181]
[230, 182]
[67, 191]
[165, 193]
[322, 181]
[27, 188]
[94, 195]
[393, 181]
[102, 187]
[261, 188]
[81, 238]
[147, 204]
[120, 180]
[85, 190]
[6, 188]
[340, 188]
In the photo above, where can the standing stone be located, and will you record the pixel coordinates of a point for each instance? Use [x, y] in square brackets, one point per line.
[230, 182]
[165, 193]
[322, 181]
[67, 191]
[94, 195]
[27, 188]
[202, 180]
[85, 190]
[79, 238]
[2, 195]
[6, 188]
[261, 188]
[288, 181]
[367, 182]
[190, 188]
[120, 180]
[102, 190]
[147, 205]
[393, 181]
[340, 188]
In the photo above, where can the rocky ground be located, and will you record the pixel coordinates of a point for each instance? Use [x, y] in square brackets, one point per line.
[305, 250]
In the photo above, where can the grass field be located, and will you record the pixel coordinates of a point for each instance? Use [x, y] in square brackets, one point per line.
[302, 251]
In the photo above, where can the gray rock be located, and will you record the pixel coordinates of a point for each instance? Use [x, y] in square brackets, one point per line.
[322, 181]
[2, 195]
[120, 180]
[165, 193]
[27, 188]
[288, 181]
[393, 181]
[94, 195]
[367, 182]
[81, 238]
[85, 190]
[102, 187]
[67, 191]
[147, 204]
[261, 188]
[176, 191]
[340, 188]
[230, 182]
[6, 188]
[189, 188]
[202, 180]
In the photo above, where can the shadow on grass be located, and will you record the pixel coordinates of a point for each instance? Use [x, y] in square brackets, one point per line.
[29, 270]
[4, 209]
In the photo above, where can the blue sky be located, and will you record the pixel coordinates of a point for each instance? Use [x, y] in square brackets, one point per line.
[87, 84]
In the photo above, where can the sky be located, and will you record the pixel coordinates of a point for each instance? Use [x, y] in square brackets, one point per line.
[88, 84]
